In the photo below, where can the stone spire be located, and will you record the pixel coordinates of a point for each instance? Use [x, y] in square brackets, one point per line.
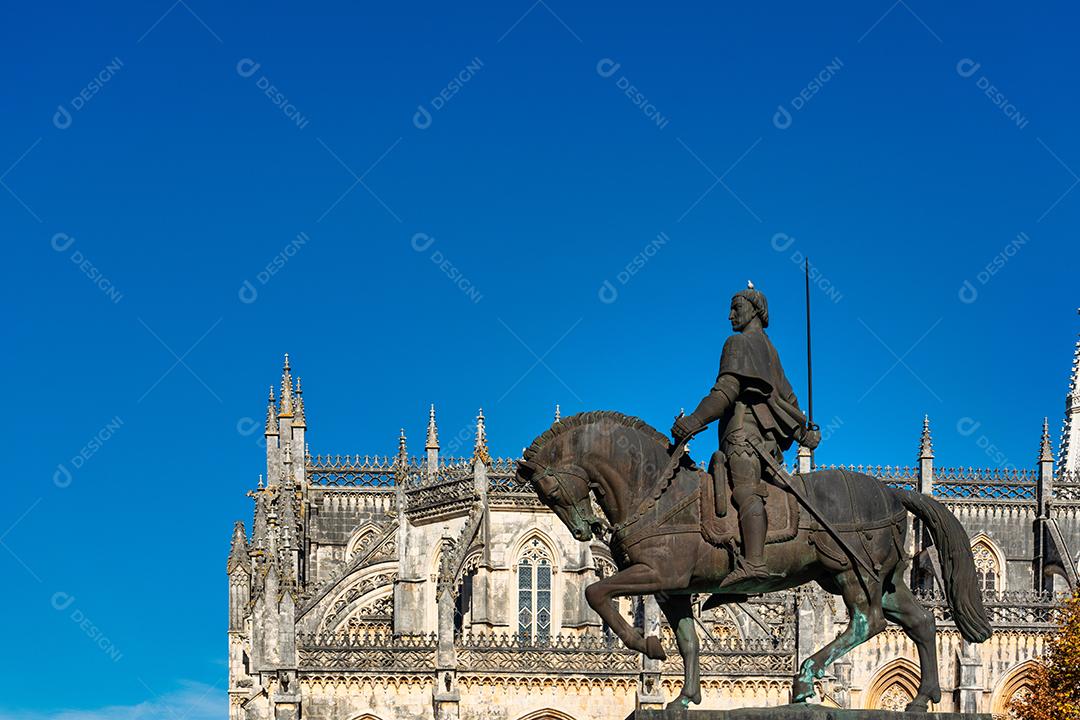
[558, 413]
[299, 420]
[480, 449]
[926, 443]
[260, 531]
[271, 415]
[1046, 453]
[286, 409]
[432, 431]
[925, 484]
[238, 551]
[432, 445]
[238, 568]
[1069, 447]
[402, 452]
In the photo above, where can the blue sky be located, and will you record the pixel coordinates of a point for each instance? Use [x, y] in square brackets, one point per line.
[504, 205]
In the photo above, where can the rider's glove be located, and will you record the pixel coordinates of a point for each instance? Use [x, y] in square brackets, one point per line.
[684, 425]
[809, 439]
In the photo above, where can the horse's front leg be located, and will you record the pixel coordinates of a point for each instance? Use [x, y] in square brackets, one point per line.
[639, 579]
[680, 615]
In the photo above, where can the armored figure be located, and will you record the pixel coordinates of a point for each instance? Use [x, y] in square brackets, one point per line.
[757, 409]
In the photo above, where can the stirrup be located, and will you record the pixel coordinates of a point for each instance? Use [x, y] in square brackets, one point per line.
[746, 571]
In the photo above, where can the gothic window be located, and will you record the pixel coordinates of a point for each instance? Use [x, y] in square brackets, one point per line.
[463, 602]
[464, 595]
[1014, 687]
[534, 591]
[360, 543]
[1021, 694]
[630, 608]
[987, 570]
[894, 686]
[894, 698]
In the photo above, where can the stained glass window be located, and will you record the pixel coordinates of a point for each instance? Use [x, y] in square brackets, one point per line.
[986, 567]
[534, 592]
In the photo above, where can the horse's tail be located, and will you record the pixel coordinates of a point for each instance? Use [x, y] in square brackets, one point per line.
[957, 564]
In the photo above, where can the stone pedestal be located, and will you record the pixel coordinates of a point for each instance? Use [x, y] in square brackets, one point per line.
[797, 712]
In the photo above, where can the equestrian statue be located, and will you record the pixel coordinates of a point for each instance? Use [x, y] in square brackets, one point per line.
[671, 534]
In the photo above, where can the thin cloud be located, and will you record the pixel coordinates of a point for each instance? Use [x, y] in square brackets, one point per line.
[194, 701]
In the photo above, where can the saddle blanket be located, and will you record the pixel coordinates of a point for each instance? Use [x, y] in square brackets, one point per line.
[781, 509]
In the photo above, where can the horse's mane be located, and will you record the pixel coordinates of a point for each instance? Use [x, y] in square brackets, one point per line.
[574, 421]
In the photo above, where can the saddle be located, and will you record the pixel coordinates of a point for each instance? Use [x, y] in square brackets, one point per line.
[721, 527]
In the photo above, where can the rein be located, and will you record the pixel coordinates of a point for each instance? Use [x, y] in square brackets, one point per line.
[619, 531]
[593, 519]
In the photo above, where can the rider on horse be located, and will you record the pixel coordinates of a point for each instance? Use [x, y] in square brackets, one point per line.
[756, 406]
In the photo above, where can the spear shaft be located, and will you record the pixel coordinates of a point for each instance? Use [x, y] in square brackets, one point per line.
[809, 358]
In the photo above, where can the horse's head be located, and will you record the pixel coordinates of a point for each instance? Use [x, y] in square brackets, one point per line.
[601, 452]
[565, 490]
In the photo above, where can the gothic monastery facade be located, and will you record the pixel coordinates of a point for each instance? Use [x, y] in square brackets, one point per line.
[437, 588]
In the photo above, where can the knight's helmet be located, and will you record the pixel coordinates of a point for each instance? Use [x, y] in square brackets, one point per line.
[757, 299]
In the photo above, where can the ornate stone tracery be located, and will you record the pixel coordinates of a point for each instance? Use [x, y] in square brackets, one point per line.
[894, 686]
[373, 525]
[989, 566]
[535, 589]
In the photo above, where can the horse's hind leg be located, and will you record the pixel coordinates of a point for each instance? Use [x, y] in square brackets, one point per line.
[680, 615]
[919, 624]
[865, 620]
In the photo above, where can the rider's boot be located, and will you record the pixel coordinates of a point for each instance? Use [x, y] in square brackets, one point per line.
[752, 527]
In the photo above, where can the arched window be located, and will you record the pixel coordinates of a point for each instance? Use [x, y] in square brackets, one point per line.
[547, 715]
[1016, 685]
[987, 568]
[463, 598]
[894, 686]
[361, 542]
[534, 591]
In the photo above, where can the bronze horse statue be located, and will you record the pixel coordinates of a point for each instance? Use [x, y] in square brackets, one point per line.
[647, 494]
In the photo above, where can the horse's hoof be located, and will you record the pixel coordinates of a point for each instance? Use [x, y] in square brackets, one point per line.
[653, 649]
[919, 706]
[679, 703]
[801, 691]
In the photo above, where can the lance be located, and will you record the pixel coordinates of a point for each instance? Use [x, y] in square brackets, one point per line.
[809, 360]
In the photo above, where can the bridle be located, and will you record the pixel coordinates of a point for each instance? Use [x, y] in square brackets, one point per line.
[594, 522]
